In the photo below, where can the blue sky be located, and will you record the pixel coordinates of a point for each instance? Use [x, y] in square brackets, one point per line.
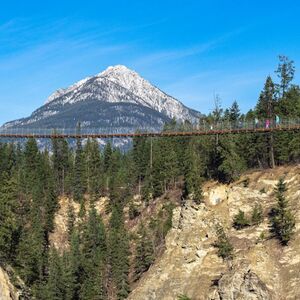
[190, 49]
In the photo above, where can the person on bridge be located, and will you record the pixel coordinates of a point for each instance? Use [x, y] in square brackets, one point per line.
[256, 122]
[277, 120]
[267, 123]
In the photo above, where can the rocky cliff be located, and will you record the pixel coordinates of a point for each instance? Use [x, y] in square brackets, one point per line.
[7, 290]
[261, 267]
[11, 286]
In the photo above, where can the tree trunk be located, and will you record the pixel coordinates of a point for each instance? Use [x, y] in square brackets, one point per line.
[151, 153]
[63, 181]
[140, 185]
[259, 163]
[271, 147]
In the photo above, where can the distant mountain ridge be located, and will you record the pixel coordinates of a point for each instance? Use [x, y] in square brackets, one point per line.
[116, 98]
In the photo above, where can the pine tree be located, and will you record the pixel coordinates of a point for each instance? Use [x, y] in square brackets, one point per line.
[294, 145]
[282, 219]
[285, 72]
[147, 190]
[253, 148]
[230, 163]
[289, 105]
[82, 210]
[161, 225]
[114, 180]
[93, 168]
[8, 217]
[94, 251]
[144, 253]
[8, 158]
[240, 221]
[94, 237]
[257, 214]
[141, 157]
[163, 169]
[46, 189]
[217, 111]
[234, 112]
[225, 249]
[30, 167]
[266, 103]
[107, 157]
[265, 109]
[61, 165]
[282, 150]
[119, 253]
[32, 250]
[55, 289]
[157, 176]
[71, 220]
[73, 271]
[192, 175]
[170, 164]
[78, 177]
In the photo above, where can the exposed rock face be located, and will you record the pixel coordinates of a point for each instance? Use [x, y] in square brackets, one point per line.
[261, 267]
[59, 237]
[241, 284]
[7, 290]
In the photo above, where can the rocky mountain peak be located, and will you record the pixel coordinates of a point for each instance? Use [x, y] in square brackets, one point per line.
[116, 70]
[118, 74]
[126, 78]
[122, 85]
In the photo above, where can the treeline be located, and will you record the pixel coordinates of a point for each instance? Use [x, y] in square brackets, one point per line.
[97, 263]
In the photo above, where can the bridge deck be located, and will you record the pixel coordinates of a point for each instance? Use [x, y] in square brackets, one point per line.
[71, 134]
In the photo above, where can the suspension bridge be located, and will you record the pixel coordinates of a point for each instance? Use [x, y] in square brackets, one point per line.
[221, 128]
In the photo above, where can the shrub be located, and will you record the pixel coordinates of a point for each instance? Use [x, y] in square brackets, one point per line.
[133, 211]
[246, 182]
[257, 214]
[262, 236]
[183, 297]
[262, 191]
[240, 221]
[225, 248]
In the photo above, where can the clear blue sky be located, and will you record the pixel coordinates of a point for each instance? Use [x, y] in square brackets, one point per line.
[190, 49]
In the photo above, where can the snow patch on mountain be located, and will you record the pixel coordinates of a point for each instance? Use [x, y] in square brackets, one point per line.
[120, 84]
[61, 92]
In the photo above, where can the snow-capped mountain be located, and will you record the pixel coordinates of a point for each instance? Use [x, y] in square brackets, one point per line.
[116, 98]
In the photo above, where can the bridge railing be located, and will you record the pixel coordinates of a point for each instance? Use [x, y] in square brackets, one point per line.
[204, 127]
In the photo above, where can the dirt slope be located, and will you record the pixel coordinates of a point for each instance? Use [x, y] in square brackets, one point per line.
[261, 268]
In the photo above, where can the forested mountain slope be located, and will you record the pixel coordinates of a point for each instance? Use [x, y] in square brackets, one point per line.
[89, 222]
[261, 268]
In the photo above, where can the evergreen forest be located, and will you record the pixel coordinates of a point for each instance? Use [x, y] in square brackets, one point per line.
[103, 259]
